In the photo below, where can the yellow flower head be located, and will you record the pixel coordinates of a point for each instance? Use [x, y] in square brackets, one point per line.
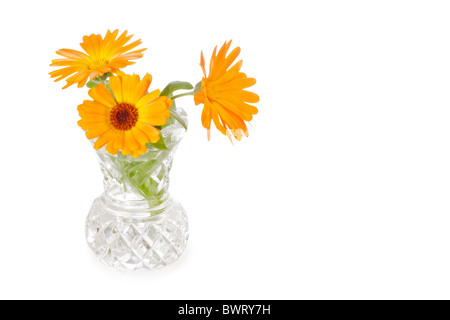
[225, 100]
[101, 56]
[126, 119]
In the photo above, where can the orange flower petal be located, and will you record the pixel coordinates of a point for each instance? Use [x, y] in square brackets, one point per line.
[151, 132]
[119, 142]
[215, 116]
[207, 116]
[129, 84]
[103, 139]
[98, 130]
[140, 135]
[202, 63]
[116, 87]
[101, 94]
[148, 98]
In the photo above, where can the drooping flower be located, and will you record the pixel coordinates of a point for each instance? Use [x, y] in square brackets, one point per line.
[223, 95]
[126, 119]
[101, 56]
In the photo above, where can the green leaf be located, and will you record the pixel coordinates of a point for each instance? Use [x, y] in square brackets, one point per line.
[175, 116]
[174, 86]
[105, 76]
[92, 84]
[198, 87]
[160, 144]
[174, 113]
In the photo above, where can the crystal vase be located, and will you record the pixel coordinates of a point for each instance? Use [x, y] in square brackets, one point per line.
[135, 224]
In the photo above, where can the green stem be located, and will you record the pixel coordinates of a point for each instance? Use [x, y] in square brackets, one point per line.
[191, 93]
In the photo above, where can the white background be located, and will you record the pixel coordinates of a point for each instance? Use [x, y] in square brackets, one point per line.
[340, 192]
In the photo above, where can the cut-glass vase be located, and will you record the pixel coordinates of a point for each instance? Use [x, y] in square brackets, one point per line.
[136, 224]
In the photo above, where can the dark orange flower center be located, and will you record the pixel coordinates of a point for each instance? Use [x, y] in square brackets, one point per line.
[124, 116]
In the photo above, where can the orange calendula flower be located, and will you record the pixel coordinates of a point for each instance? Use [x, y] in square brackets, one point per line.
[126, 119]
[101, 56]
[225, 100]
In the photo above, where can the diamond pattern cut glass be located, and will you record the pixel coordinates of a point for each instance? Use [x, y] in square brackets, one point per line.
[135, 224]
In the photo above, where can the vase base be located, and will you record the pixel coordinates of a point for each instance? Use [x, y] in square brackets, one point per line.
[130, 242]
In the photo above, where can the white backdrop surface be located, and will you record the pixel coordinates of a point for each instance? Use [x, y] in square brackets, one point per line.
[340, 192]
